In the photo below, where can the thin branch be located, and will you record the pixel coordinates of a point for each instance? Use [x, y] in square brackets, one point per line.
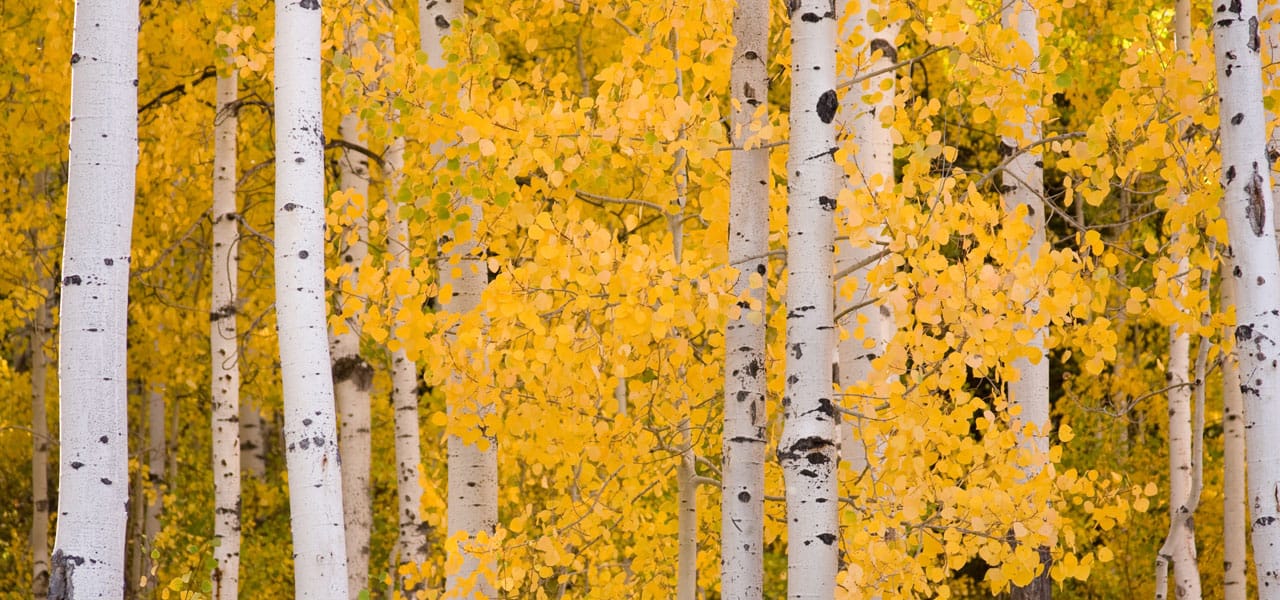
[598, 198]
[209, 72]
[893, 67]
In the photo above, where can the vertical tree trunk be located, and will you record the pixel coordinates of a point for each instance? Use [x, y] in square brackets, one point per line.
[864, 122]
[1180, 545]
[412, 540]
[472, 486]
[742, 497]
[1250, 214]
[310, 432]
[253, 445]
[807, 449]
[1235, 566]
[1023, 187]
[93, 476]
[224, 342]
[40, 437]
[156, 480]
[352, 374]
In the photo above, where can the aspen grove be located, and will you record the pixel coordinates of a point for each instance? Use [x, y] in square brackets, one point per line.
[731, 299]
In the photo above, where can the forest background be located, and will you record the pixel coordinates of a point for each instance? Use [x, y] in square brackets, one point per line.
[596, 139]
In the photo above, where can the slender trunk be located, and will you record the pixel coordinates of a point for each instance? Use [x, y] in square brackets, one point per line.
[352, 374]
[864, 112]
[807, 449]
[686, 468]
[1023, 187]
[224, 343]
[253, 448]
[40, 439]
[742, 497]
[472, 486]
[412, 540]
[1247, 204]
[1235, 565]
[311, 449]
[93, 474]
[1180, 545]
[156, 480]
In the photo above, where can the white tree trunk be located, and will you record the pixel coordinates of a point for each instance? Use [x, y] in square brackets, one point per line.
[807, 449]
[311, 448]
[253, 448]
[864, 121]
[1248, 207]
[352, 374]
[1180, 546]
[40, 436]
[1023, 186]
[412, 540]
[156, 480]
[742, 497]
[1235, 565]
[224, 343]
[93, 477]
[473, 471]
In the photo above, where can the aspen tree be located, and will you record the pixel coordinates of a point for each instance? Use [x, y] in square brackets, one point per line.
[1023, 187]
[1247, 205]
[224, 341]
[742, 497]
[1179, 547]
[157, 478]
[352, 374]
[310, 432]
[865, 112]
[411, 544]
[1235, 571]
[253, 448]
[40, 429]
[472, 486]
[807, 449]
[93, 477]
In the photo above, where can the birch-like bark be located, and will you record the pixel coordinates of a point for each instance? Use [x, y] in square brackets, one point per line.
[412, 540]
[1023, 187]
[864, 114]
[224, 342]
[1235, 566]
[472, 486]
[742, 494]
[157, 482]
[807, 449]
[1247, 204]
[310, 432]
[352, 374]
[1179, 547]
[93, 476]
[40, 437]
[253, 445]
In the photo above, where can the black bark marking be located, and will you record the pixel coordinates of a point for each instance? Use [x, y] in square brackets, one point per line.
[75, 57]
[353, 368]
[290, 206]
[827, 538]
[1236, 7]
[61, 567]
[108, 262]
[1237, 119]
[71, 280]
[310, 4]
[75, 464]
[1254, 42]
[442, 22]
[818, 458]
[303, 254]
[104, 439]
[885, 46]
[744, 496]
[1231, 173]
[827, 105]
[761, 269]
[1255, 210]
[105, 481]
[1236, 271]
[827, 202]
[223, 313]
[810, 17]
